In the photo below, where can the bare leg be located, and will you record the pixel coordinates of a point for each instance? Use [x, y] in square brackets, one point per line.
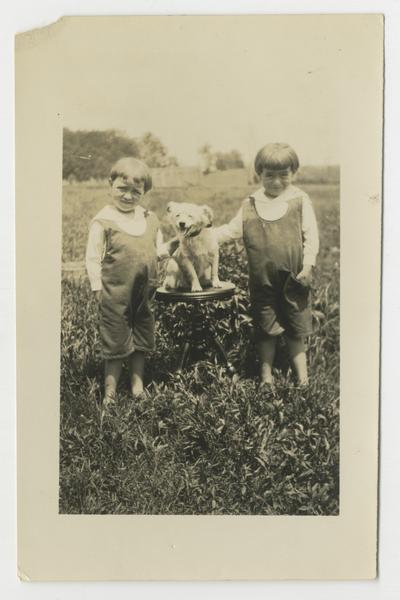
[136, 370]
[266, 353]
[112, 372]
[298, 357]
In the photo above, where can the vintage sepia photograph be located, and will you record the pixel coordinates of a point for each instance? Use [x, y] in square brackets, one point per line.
[200, 298]
[198, 306]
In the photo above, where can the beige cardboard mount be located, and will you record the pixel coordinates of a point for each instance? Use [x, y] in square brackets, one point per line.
[60, 71]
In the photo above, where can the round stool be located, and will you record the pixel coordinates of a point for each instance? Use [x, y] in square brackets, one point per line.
[201, 329]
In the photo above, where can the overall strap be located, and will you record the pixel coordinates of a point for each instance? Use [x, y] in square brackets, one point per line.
[153, 224]
[248, 209]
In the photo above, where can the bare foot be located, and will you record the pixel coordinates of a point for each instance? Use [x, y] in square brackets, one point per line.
[266, 374]
[302, 385]
[108, 401]
[267, 386]
[137, 389]
[109, 398]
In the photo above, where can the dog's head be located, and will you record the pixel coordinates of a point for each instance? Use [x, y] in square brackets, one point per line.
[184, 216]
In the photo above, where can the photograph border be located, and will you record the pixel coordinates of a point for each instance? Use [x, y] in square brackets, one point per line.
[168, 551]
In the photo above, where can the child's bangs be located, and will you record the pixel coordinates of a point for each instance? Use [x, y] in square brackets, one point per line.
[141, 172]
[132, 168]
[278, 162]
[276, 157]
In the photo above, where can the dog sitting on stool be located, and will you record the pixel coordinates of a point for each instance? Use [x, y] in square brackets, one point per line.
[194, 264]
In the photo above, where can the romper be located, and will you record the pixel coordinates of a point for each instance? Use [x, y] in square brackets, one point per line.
[129, 281]
[275, 254]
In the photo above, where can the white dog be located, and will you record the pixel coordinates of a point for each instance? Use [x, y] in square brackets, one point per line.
[194, 264]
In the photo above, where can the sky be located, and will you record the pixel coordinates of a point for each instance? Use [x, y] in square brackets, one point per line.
[232, 83]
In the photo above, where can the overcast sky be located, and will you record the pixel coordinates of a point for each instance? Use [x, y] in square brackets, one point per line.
[231, 83]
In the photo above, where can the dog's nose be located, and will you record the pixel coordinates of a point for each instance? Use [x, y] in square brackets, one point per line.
[181, 225]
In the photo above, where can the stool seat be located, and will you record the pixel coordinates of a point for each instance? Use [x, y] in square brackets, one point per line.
[226, 291]
[200, 328]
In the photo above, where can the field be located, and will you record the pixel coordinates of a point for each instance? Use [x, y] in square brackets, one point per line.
[200, 443]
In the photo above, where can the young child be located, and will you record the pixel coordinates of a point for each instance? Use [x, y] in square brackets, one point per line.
[121, 261]
[279, 231]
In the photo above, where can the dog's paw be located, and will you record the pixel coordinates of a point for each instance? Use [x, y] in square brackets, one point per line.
[216, 283]
[169, 283]
[196, 287]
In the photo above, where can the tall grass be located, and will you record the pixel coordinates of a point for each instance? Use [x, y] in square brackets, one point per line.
[200, 443]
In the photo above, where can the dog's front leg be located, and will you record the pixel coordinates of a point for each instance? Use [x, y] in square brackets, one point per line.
[172, 275]
[189, 271]
[214, 270]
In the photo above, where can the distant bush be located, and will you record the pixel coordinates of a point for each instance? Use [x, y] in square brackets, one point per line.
[211, 161]
[229, 160]
[319, 174]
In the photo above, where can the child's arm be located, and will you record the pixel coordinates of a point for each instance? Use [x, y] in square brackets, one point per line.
[225, 233]
[232, 230]
[94, 254]
[310, 240]
[165, 249]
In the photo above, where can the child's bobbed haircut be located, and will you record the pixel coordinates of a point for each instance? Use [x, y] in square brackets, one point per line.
[130, 168]
[276, 157]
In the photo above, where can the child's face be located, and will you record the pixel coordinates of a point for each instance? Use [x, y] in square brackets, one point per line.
[276, 181]
[127, 191]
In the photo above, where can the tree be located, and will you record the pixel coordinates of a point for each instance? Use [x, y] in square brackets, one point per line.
[207, 159]
[212, 161]
[229, 160]
[154, 153]
[91, 154]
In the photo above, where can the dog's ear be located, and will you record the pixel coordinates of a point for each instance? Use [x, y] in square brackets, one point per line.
[208, 215]
[169, 207]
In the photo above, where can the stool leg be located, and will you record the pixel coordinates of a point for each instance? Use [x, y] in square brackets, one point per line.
[184, 356]
[233, 321]
[229, 366]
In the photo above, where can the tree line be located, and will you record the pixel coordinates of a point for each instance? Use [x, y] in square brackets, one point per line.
[90, 154]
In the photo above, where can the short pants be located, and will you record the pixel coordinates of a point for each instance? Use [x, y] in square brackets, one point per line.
[283, 307]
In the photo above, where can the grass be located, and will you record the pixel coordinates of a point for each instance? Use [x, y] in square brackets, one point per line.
[200, 444]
